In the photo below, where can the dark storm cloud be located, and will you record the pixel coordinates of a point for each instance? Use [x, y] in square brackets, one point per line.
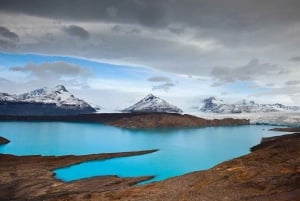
[7, 45]
[76, 31]
[248, 72]
[149, 13]
[227, 14]
[4, 32]
[8, 39]
[189, 37]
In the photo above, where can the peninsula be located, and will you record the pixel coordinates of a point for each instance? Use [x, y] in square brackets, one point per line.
[135, 120]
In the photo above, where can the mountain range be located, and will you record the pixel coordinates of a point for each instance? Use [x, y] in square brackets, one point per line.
[214, 105]
[44, 101]
[59, 101]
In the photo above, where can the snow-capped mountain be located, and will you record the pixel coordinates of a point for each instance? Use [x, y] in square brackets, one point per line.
[152, 103]
[214, 105]
[44, 101]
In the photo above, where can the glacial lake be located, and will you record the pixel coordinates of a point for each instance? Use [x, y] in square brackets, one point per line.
[180, 150]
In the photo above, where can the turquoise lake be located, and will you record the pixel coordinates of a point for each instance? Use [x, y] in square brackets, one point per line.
[180, 150]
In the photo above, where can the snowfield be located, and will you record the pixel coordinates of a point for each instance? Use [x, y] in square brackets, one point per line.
[274, 118]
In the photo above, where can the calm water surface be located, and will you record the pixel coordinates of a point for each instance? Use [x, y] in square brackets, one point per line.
[180, 150]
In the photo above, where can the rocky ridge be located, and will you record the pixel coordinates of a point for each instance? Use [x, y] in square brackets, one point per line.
[214, 105]
[44, 101]
[152, 104]
[31, 177]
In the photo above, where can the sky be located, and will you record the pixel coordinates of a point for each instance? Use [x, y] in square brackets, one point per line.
[112, 53]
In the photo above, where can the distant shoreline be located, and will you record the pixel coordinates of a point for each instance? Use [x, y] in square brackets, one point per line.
[135, 120]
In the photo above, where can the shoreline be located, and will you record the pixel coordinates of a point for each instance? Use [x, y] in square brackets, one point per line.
[136, 120]
[270, 171]
[27, 177]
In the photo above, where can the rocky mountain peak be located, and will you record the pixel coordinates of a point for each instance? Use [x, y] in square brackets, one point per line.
[150, 97]
[153, 103]
[60, 88]
[213, 105]
[44, 101]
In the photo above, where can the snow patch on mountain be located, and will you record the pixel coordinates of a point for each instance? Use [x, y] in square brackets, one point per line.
[42, 101]
[152, 103]
[214, 105]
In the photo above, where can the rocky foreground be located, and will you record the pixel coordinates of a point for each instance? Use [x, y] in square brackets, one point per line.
[3, 140]
[31, 177]
[270, 172]
[136, 120]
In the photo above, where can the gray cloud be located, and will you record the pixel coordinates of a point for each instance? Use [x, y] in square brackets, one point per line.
[50, 74]
[210, 31]
[159, 79]
[165, 83]
[292, 82]
[4, 32]
[76, 31]
[248, 72]
[176, 30]
[165, 86]
[54, 70]
[213, 14]
[8, 39]
[120, 29]
[208, 38]
[148, 13]
[7, 45]
[296, 59]
[4, 81]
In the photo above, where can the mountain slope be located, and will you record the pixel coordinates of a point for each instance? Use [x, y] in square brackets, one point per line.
[152, 103]
[214, 105]
[44, 101]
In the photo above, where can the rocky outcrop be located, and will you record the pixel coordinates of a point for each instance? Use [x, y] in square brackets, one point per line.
[3, 140]
[31, 177]
[270, 172]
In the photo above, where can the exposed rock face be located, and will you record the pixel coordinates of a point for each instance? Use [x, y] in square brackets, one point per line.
[57, 101]
[152, 104]
[270, 172]
[214, 105]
